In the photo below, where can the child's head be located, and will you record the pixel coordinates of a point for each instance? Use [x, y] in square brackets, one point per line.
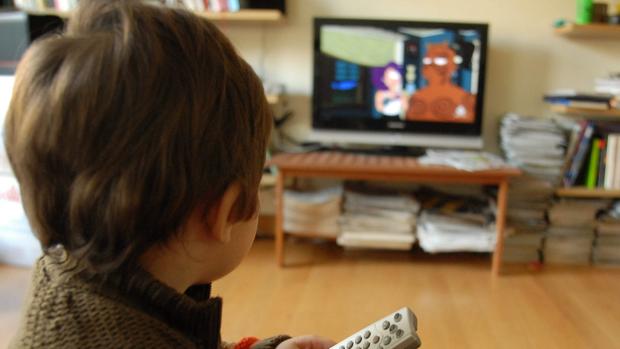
[122, 126]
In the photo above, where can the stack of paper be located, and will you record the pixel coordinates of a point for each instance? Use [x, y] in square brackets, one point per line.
[378, 220]
[535, 145]
[440, 233]
[313, 212]
[528, 202]
[522, 246]
[463, 160]
[606, 249]
[450, 223]
[571, 232]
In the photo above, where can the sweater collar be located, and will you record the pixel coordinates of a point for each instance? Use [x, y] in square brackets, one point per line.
[194, 313]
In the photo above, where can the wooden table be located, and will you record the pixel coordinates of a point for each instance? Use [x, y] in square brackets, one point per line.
[385, 168]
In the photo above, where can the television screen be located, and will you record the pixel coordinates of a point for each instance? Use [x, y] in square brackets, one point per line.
[399, 76]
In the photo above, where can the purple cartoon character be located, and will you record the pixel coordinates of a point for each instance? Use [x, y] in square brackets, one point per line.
[390, 99]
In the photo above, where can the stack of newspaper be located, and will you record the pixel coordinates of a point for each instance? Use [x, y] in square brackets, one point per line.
[381, 219]
[450, 223]
[535, 145]
[571, 232]
[606, 249]
[313, 212]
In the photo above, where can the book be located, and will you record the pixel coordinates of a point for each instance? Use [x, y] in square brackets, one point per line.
[592, 174]
[578, 160]
[573, 143]
[600, 181]
[616, 174]
[610, 161]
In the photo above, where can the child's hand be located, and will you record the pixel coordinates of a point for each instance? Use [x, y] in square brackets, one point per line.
[306, 342]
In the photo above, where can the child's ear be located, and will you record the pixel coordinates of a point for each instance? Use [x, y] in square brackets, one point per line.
[219, 218]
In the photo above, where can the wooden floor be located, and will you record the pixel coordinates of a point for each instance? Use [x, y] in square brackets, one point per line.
[458, 304]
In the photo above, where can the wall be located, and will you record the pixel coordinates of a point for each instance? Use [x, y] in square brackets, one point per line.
[525, 59]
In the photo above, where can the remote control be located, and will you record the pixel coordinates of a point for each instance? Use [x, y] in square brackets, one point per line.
[395, 331]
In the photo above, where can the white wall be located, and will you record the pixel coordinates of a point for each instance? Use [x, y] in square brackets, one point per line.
[524, 58]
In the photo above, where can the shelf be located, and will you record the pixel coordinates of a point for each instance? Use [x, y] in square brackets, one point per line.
[268, 180]
[310, 235]
[592, 31]
[562, 109]
[273, 99]
[246, 15]
[45, 12]
[583, 192]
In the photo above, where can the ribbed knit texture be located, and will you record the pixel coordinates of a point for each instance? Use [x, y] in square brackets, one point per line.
[67, 310]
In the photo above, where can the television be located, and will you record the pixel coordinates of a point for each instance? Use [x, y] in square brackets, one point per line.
[398, 83]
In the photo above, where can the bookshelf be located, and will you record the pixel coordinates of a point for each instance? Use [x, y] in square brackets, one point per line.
[562, 109]
[247, 15]
[273, 99]
[588, 193]
[262, 12]
[590, 31]
[243, 16]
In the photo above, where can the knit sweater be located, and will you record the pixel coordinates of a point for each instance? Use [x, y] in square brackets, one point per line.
[68, 309]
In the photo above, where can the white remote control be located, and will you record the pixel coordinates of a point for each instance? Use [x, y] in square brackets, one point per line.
[395, 331]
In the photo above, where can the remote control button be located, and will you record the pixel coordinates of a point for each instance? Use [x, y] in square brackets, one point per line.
[397, 317]
[366, 334]
[358, 339]
[375, 339]
[393, 328]
[399, 333]
[349, 344]
[366, 345]
[386, 325]
[386, 340]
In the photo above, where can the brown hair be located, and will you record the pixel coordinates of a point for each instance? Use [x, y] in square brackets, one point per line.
[123, 124]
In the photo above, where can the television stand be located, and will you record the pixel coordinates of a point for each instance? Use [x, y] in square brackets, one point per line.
[340, 165]
[414, 152]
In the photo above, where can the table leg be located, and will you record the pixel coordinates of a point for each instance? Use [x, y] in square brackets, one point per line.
[500, 221]
[279, 228]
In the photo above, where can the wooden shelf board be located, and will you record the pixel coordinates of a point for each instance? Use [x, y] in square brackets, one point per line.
[562, 109]
[273, 99]
[310, 235]
[593, 31]
[268, 180]
[45, 12]
[583, 192]
[245, 15]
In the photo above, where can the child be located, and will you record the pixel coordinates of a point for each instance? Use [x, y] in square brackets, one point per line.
[138, 137]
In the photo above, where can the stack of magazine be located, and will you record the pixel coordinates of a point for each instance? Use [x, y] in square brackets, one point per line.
[313, 212]
[606, 249]
[537, 146]
[571, 232]
[528, 202]
[450, 223]
[378, 219]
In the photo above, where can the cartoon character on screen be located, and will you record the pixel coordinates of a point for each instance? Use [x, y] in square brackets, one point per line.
[390, 100]
[441, 100]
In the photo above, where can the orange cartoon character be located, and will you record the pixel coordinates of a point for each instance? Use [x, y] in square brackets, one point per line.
[441, 100]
